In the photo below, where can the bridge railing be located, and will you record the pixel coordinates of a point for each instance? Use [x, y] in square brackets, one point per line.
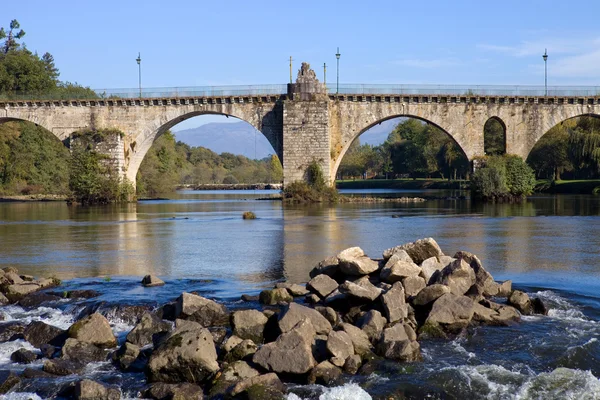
[343, 89]
[464, 90]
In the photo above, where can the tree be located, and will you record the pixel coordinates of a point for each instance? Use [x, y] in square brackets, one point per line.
[494, 137]
[11, 37]
[502, 177]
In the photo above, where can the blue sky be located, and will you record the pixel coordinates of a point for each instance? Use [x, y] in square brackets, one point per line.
[189, 43]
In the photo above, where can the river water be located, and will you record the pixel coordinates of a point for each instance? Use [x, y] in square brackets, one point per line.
[549, 247]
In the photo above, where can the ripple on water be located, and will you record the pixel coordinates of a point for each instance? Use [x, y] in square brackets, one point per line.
[348, 391]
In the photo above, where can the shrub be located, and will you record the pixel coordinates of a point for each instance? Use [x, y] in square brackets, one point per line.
[248, 215]
[520, 178]
[314, 190]
[230, 180]
[502, 177]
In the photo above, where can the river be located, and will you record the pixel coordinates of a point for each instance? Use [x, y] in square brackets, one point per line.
[548, 246]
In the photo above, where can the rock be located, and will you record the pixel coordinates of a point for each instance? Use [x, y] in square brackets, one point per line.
[177, 391]
[18, 291]
[229, 376]
[352, 364]
[538, 307]
[152, 281]
[339, 344]
[329, 266]
[38, 333]
[290, 353]
[11, 331]
[37, 299]
[48, 351]
[3, 300]
[329, 313]
[322, 285]
[47, 283]
[483, 279]
[275, 296]
[359, 338]
[430, 294]
[93, 329]
[31, 373]
[294, 313]
[520, 301]
[62, 367]
[126, 357]
[82, 294]
[249, 324]
[396, 345]
[27, 278]
[219, 333]
[397, 254]
[87, 389]
[325, 373]
[337, 361]
[8, 380]
[149, 325]
[432, 265]
[475, 293]
[458, 276]
[199, 309]
[353, 261]
[6, 270]
[13, 278]
[396, 269]
[297, 290]
[413, 285]
[185, 356]
[243, 350]
[451, 313]
[505, 289]
[418, 251]
[267, 380]
[507, 315]
[336, 299]
[361, 289]
[82, 352]
[312, 299]
[249, 298]
[231, 342]
[372, 324]
[394, 303]
[23, 356]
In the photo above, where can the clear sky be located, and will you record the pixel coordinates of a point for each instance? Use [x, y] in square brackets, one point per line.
[193, 43]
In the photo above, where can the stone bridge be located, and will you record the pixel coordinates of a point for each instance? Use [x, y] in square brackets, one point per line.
[309, 122]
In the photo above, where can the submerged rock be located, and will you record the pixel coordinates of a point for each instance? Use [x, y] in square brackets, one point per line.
[152, 281]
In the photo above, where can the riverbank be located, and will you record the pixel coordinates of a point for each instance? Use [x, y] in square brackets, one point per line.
[584, 186]
[413, 184]
[233, 186]
[33, 197]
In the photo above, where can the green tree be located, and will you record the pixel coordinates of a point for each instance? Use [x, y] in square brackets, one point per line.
[502, 177]
[11, 37]
[494, 137]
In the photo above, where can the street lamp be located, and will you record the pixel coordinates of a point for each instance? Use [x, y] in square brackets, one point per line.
[337, 86]
[545, 57]
[139, 61]
[325, 74]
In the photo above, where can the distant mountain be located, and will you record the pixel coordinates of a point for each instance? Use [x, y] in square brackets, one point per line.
[239, 137]
[235, 137]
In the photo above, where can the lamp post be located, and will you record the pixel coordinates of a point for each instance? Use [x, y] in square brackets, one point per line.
[337, 86]
[545, 57]
[139, 62]
[325, 74]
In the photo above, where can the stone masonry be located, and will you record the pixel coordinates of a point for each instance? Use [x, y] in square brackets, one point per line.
[306, 123]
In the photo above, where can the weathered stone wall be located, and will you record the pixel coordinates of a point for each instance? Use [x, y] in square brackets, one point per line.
[111, 146]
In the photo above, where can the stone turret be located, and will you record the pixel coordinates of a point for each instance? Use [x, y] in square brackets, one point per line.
[307, 86]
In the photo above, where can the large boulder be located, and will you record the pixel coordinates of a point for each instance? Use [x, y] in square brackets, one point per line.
[360, 340]
[127, 358]
[413, 285]
[361, 289]
[458, 276]
[398, 268]
[88, 389]
[249, 324]
[394, 303]
[23, 356]
[418, 251]
[149, 325]
[61, 367]
[187, 355]
[291, 353]
[397, 345]
[322, 285]
[450, 313]
[82, 352]
[339, 344]
[275, 296]
[329, 266]
[230, 375]
[483, 279]
[432, 265]
[430, 294]
[19, 290]
[199, 309]
[354, 262]
[521, 302]
[372, 323]
[268, 385]
[11, 331]
[325, 373]
[39, 333]
[174, 391]
[93, 329]
[294, 313]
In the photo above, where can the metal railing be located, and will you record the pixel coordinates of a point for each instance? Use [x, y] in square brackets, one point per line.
[344, 89]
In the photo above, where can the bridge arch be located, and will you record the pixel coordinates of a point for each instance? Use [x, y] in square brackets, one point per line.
[349, 138]
[141, 143]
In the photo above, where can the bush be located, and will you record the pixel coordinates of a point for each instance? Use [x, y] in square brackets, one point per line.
[315, 190]
[502, 178]
[230, 180]
[248, 215]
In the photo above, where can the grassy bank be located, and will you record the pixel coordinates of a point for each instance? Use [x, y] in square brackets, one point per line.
[401, 184]
[583, 186]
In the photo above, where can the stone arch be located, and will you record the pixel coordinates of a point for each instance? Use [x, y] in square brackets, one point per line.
[139, 145]
[498, 120]
[63, 140]
[357, 134]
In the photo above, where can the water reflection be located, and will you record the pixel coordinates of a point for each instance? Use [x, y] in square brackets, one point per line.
[201, 235]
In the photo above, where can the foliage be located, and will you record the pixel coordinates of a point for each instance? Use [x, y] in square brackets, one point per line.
[92, 179]
[11, 37]
[248, 215]
[313, 190]
[494, 138]
[412, 149]
[502, 177]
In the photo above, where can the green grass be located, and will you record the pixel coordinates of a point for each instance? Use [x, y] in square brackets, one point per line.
[581, 186]
[419, 183]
